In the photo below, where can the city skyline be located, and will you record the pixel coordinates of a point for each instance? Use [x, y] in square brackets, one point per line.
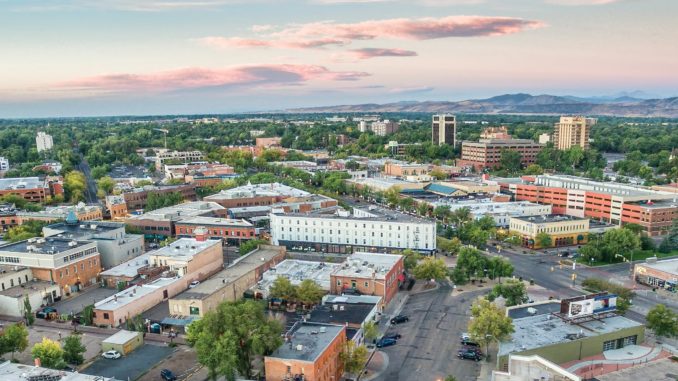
[220, 56]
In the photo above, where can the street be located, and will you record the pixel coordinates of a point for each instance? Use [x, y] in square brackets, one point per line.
[428, 348]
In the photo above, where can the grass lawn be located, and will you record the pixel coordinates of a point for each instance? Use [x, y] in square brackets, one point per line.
[638, 256]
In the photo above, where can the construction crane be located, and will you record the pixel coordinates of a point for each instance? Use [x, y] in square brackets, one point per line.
[164, 131]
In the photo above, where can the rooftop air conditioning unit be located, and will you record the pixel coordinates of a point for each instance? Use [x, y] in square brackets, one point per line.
[300, 347]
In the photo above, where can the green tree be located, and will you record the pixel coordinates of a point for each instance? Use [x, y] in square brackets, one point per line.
[250, 245]
[28, 312]
[513, 291]
[534, 169]
[624, 295]
[283, 289]
[228, 339]
[471, 262]
[450, 378]
[422, 209]
[510, 160]
[73, 350]
[75, 184]
[88, 314]
[498, 267]
[370, 331]
[430, 268]
[451, 246]
[442, 212]
[663, 321]
[392, 196]
[50, 354]
[489, 323]
[309, 292]
[619, 242]
[353, 357]
[14, 338]
[543, 240]
[411, 259]
[106, 184]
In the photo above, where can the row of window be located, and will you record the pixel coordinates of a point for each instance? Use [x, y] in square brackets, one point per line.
[9, 259]
[11, 282]
[65, 271]
[80, 254]
[346, 224]
[355, 241]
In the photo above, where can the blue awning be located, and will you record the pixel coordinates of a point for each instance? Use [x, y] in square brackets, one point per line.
[176, 321]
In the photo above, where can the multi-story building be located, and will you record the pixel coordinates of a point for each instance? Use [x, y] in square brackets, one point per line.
[385, 127]
[114, 245]
[500, 133]
[188, 172]
[564, 230]
[44, 141]
[486, 153]
[268, 142]
[18, 284]
[362, 126]
[614, 203]
[659, 274]
[136, 200]
[401, 169]
[352, 311]
[370, 274]
[177, 157]
[501, 212]
[160, 223]
[229, 284]
[32, 189]
[195, 258]
[444, 129]
[255, 195]
[69, 263]
[126, 272]
[4, 164]
[117, 207]
[374, 229]
[572, 131]
[229, 230]
[82, 212]
[296, 271]
[311, 353]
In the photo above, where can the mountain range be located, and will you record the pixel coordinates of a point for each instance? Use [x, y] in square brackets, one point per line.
[627, 105]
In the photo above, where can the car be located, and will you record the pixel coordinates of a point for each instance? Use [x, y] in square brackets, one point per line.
[45, 312]
[386, 342]
[153, 246]
[399, 319]
[469, 354]
[469, 343]
[167, 375]
[564, 254]
[394, 336]
[464, 336]
[194, 283]
[111, 355]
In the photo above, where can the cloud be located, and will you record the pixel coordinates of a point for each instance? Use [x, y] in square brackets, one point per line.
[366, 53]
[200, 78]
[411, 90]
[127, 5]
[329, 33]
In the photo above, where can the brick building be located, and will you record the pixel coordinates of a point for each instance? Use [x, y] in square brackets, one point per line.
[137, 199]
[400, 169]
[160, 223]
[370, 274]
[255, 195]
[227, 229]
[32, 189]
[659, 274]
[486, 153]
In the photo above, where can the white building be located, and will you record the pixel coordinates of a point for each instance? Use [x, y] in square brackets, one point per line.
[18, 284]
[501, 212]
[374, 229]
[544, 138]
[4, 164]
[10, 371]
[297, 271]
[384, 128]
[44, 141]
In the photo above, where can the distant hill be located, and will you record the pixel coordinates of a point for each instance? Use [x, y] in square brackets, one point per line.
[624, 105]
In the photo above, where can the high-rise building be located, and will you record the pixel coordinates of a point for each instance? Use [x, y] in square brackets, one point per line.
[44, 141]
[362, 126]
[444, 129]
[384, 128]
[572, 131]
[4, 164]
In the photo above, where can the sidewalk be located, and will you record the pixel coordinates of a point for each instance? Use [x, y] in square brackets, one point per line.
[377, 365]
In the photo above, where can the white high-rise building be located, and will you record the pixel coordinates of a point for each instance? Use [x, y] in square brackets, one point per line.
[4, 164]
[44, 141]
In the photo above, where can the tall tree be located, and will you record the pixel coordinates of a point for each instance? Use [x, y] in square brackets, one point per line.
[510, 160]
[370, 331]
[513, 291]
[227, 339]
[309, 292]
[14, 338]
[430, 268]
[73, 350]
[353, 357]
[284, 289]
[543, 240]
[663, 321]
[50, 354]
[28, 311]
[489, 323]
[411, 258]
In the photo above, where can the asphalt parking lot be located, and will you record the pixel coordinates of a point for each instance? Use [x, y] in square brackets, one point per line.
[428, 348]
[131, 366]
[77, 303]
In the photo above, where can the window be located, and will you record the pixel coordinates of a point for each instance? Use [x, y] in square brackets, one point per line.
[367, 284]
[105, 315]
[609, 345]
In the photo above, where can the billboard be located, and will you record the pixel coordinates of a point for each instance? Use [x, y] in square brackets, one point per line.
[604, 303]
[580, 308]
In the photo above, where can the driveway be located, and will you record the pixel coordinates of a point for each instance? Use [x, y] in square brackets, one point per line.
[131, 366]
[429, 344]
[89, 296]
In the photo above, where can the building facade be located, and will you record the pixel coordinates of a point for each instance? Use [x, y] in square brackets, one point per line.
[572, 131]
[486, 153]
[4, 164]
[136, 200]
[229, 230]
[658, 274]
[374, 274]
[177, 157]
[444, 129]
[564, 230]
[385, 127]
[44, 141]
[32, 189]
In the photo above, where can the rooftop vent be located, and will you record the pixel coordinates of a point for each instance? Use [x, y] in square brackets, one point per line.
[300, 347]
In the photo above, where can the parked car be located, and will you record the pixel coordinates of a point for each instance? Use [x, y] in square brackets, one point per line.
[399, 319]
[469, 354]
[395, 336]
[111, 355]
[153, 246]
[45, 312]
[386, 342]
[469, 343]
[564, 254]
[194, 283]
[167, 375]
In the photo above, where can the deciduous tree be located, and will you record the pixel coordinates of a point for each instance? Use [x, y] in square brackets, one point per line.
[663, 321]
[284, 289]
[489, 323]
[73, 350]
[309, 292]
[353, 357]
[50, 354]
[430, 268]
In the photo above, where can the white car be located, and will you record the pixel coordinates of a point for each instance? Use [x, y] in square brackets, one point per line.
[111, 355]
[194, 283]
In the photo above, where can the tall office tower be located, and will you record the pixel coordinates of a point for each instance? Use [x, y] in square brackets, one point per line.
[444, 129]
[572, 131]
[43, 141]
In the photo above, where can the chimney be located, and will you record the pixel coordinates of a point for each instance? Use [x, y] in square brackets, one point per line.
[37, 362]
[200, 234]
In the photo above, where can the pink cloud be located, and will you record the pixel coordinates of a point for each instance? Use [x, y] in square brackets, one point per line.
[366, 53]
[321, 34]
[195, 78]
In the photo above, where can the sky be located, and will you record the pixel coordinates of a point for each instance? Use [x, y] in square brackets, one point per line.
[62, 58]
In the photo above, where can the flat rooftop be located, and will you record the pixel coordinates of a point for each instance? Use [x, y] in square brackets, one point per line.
[86, 228]
[297, 271]
[549, 218]
[660, 370]
[12, 183]
[668, 265]
[545, 308]
[368, 265]
[31, 287]
[216, 221]
[487, 206]
[130, 268]
[575, 182]
[121, 337]
[50, 245]
[133, 294]
[241, 267]
[180, 211]
[20, 372]
[308, 341]
[185, 248]
[542, 330]
[338, 312]
[258, 190]
[371, 213]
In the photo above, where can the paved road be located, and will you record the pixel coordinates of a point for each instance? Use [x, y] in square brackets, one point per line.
[91, 186]
[130, 366]
[427, 350]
